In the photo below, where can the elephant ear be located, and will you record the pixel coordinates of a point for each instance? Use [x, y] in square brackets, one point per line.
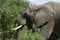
[44, 16]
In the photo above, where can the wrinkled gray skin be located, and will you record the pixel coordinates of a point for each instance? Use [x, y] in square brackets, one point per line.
[46, 17]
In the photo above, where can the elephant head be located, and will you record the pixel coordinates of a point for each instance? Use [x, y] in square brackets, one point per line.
[39, 16]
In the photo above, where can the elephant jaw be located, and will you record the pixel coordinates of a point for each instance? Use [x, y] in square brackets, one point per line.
[17, 27]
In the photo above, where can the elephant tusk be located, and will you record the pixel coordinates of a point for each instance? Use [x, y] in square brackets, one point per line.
[17, 27]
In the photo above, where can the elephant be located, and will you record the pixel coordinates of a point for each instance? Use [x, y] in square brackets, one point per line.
[45, 16]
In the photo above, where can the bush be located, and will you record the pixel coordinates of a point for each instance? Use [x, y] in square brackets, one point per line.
[10, 10]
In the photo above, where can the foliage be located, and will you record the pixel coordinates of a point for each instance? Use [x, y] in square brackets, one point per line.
[28, 35]
[10, 10]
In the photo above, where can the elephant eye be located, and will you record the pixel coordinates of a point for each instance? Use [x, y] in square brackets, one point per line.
[24, 15]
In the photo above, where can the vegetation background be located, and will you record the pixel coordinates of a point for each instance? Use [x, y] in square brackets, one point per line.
[10, 10]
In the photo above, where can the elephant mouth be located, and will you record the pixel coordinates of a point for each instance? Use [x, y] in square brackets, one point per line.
[43, 25]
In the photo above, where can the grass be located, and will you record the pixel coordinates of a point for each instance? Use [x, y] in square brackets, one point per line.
[28, 35]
